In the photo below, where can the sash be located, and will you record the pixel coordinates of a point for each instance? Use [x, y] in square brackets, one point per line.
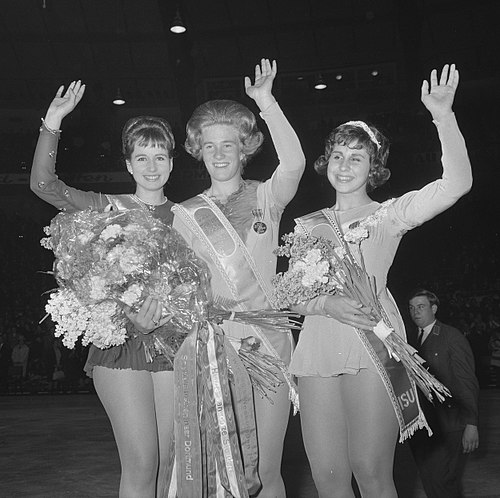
[236, 265]
[400, 387]
[122, 202]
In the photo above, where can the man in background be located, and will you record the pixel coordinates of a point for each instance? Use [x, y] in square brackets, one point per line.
[440, 458]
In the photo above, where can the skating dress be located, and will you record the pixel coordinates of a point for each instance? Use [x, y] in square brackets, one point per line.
[327, 347]
[46, 185]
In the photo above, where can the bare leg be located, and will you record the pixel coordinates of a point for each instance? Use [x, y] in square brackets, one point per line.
[325, 433]
[163, 384]
[271, 421]
[128, 398]
[372, 433]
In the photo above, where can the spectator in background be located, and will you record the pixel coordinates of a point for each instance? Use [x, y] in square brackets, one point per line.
[5, 362]
[440, 458]
[20, 355]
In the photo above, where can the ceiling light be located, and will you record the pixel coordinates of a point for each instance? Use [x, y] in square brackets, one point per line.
[320, 83]
[338, 77]
[177, 24]
[374, 72]
[118, 100]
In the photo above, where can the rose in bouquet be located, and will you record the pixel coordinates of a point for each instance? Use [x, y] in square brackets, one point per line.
[317, 266]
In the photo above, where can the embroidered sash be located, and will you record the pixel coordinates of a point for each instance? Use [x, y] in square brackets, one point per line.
[401, 389]
[234, 262]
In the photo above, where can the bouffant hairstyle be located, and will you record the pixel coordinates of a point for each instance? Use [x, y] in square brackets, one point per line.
[226, 112]
[144, 131]
[345, 134]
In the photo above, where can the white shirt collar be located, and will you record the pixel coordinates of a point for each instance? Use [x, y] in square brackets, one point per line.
[427, 331]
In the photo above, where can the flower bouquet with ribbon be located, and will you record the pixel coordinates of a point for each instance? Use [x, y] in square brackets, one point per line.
[106, 261]
[317, 266]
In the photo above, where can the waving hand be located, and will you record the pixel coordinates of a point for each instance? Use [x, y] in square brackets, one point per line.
[438, 96]
[261, 90]
[63, 104]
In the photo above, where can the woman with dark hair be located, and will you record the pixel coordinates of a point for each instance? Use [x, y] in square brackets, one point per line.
[353, 395]
[234, 227]
[136, 394]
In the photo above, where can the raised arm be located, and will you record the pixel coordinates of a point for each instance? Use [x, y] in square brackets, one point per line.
[419, 206]
[286, 178]
[63, 104]
[43, 180]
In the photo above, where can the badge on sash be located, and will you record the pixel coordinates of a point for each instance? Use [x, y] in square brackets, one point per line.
[259, 226]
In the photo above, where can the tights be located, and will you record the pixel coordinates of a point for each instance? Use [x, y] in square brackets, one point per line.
[349, 428]
[271, 421]
[140, 407]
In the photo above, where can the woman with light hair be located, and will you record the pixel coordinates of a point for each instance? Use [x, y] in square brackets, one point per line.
[234, 227]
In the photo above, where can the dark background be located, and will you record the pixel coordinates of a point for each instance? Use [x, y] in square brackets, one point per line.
[127, 45]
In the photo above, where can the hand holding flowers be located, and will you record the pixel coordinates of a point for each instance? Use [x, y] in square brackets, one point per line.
[149, 317]
[320, 269]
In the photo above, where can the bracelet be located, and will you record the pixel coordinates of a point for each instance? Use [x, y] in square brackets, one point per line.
[50, 130]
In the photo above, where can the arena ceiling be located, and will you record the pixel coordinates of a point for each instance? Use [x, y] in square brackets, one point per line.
[127, 44]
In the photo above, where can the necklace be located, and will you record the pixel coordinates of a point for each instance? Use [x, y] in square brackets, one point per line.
[146, 205]
[209, 192]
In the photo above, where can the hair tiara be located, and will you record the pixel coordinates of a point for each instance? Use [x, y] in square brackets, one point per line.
[367, 129]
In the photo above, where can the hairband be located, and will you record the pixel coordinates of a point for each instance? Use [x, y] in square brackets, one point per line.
[366, 128]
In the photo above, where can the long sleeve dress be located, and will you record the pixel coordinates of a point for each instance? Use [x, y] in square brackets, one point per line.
[46, 185]
[247, 226]
[327, 347]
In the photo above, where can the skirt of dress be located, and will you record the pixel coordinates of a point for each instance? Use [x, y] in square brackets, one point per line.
[130, 355]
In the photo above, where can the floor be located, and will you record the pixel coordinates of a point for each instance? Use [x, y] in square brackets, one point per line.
[55, 446]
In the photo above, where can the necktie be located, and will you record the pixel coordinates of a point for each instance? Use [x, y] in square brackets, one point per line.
[420, 336]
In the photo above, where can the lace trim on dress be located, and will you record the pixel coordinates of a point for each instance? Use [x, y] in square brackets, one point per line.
[359, 230]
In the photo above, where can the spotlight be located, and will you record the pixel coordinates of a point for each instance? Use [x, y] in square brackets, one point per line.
[338, 77]
[118, 100]
[177, 24]
[375, 72]
[320, 83]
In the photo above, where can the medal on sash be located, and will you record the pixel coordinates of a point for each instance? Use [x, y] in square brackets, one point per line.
[258, 226]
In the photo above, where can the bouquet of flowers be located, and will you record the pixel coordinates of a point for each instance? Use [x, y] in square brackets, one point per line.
[112, 260]
[317, 266]
[106, 261]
